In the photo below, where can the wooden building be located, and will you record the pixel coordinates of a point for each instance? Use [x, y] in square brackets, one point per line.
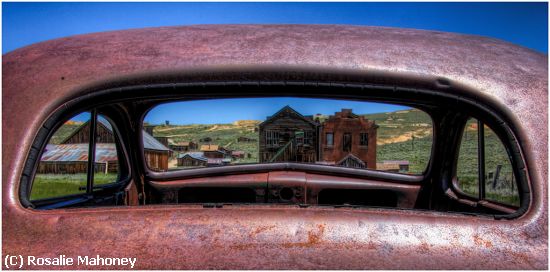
[104, 133]
[394, 166]
[149, 128]
[212, 151]
[73, 158]
[183, 146]
[161, 139]
[346, 133]
[237, 154]
[192, 159]
[200, 159]
[351, 161]
[287, 136]
[156, 154]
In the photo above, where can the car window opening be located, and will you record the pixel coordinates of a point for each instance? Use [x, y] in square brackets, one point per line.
[327, 142]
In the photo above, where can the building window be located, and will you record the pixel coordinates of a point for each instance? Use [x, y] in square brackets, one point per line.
[330, 139]
[364, 139]
[299, 137]
[308, 138]
[271, 137]
[346, 142]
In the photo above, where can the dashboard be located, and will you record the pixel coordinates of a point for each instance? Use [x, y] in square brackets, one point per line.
[287, 187]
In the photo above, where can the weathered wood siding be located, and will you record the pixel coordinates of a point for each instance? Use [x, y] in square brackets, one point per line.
[75, 167]
[82, 135]
[157, 160]
[162, 140]
[214, 154]
[352, 163]
[286, 123]
[189, 161]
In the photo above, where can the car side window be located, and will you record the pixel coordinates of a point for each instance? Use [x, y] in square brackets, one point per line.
[63, 167]
[467, 166]
[106, 154]
[64, 162]
[488, 156]
[500, 183]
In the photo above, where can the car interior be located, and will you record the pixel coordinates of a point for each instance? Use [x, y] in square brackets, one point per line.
[308, 144]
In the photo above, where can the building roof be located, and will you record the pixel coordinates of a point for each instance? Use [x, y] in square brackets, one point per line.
[352, 157]
[291, 110]
[210, 148]
[182, 143]
[194, 155]
[218, 161]
[237, 152]
[149, 142]
[79, 152]
[200, 156]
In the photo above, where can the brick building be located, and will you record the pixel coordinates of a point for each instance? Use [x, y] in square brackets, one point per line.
[346, 133]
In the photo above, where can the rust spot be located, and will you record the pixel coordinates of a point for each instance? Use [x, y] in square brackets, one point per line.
[481, 242]
[424, 247]
[261, 229]
[241, 246]
[521, 257]
[478, 240]
[313, 238]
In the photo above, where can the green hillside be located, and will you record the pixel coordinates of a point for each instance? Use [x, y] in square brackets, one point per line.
[402, 135]
[222, 134]
[503, 189]
[64, 131]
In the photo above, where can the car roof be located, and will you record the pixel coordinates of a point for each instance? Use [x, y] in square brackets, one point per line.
[46, 74]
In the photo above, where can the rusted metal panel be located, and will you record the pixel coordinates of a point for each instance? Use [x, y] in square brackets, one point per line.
[175, 237]
[79, 152]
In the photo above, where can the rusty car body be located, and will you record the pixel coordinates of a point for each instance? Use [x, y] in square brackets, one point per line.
[51, 79]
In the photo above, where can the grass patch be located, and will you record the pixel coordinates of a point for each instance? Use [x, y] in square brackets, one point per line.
[504, 189]
[56, 185]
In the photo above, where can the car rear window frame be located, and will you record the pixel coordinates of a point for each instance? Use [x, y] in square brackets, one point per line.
[119, 94]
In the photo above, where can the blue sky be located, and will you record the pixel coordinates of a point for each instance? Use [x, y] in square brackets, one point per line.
[23, 24]
[520, 23]
[229, 110]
